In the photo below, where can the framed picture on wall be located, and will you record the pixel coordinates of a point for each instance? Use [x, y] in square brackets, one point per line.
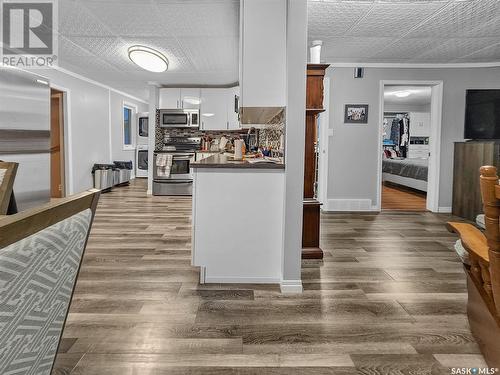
[356, 114]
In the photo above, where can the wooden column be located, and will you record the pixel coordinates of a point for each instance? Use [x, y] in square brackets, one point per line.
[311, 209]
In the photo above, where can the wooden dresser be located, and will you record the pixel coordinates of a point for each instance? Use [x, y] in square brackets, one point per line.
[468, 158]
[311, 207]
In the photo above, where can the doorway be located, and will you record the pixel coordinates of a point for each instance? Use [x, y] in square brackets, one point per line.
[57, 188]
[409, 135]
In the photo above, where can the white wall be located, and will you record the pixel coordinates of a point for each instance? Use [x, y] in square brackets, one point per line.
[116, 105]
[401, 107]
[93, 128]
[352, 169]
[296, 56]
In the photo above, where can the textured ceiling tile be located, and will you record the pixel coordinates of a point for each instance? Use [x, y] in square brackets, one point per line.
[211, 54]
[456, 48]
[353, 47]
[408, 48]
[460, 18]
[75, 19]
[334, 18]
[200, 18]
[489, 53]
[394, 18]
[127, 19]
[415, 30]
[487, 29]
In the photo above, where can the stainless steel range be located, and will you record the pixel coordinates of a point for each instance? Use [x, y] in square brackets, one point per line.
[171, 169]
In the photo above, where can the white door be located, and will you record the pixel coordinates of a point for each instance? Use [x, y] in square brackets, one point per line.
[170, 98]
[213, 109]
[190, 98]
[232, 96]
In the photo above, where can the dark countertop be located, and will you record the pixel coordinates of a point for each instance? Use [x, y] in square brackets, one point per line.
[222, 161]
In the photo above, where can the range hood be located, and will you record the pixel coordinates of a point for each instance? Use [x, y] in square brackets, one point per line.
[259, 117]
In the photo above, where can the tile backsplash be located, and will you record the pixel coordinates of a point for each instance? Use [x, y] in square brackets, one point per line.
[270, 135]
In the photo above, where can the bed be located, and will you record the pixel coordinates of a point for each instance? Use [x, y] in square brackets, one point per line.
[407, 172]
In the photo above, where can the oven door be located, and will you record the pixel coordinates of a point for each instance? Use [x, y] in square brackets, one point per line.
[142, 160]
[180, 169]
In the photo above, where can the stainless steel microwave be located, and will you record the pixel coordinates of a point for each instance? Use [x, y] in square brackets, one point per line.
[179, 118]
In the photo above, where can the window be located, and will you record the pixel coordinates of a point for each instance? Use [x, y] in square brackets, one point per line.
[127, 128]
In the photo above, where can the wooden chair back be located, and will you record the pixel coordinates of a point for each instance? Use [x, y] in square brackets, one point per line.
[7, 175]
[490, 270]
[40, 256]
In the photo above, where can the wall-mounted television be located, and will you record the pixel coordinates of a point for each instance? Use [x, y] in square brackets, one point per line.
[482, 114]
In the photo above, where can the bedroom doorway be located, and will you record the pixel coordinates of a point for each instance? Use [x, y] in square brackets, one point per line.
[409, 123]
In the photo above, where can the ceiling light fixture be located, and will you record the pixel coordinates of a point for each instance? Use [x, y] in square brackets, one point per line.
[402, 94]
[208, 114]
[148, 58]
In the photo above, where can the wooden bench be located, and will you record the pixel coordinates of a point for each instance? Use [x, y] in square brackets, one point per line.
[7, 176]
[40, 256]
[483, 273]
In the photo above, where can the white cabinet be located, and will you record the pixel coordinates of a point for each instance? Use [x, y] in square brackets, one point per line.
[217, 105]
[232, 97]
[418, 151]
[263, 53]
[170, 98]
[420, 124]
[190, 98]
[187, 98]
[213, 109]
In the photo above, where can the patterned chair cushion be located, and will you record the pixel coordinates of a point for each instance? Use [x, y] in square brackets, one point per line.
[37, 276]
[2, 174]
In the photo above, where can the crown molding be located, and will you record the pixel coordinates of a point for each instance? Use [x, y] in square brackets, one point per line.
[414, 65]
[91, 81]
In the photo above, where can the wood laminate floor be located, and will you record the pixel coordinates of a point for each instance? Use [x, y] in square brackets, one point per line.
[395, 197]
[388, 298]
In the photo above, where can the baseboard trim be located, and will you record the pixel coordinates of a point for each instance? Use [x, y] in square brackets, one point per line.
[349, 205]
[241, 280]
[444, 210]
[291, 286]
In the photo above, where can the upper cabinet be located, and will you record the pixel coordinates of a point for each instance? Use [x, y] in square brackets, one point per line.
[233, 107]
[170, 98]
[190, 98]
[213, 109]
[180, 98]
[263, 53]
[219, 107]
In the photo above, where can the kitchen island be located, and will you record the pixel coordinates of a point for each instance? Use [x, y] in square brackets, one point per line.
[237, 220]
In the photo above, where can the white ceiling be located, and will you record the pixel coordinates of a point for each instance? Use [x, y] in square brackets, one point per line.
[200, 38]
[406, 31]
[419, 95]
